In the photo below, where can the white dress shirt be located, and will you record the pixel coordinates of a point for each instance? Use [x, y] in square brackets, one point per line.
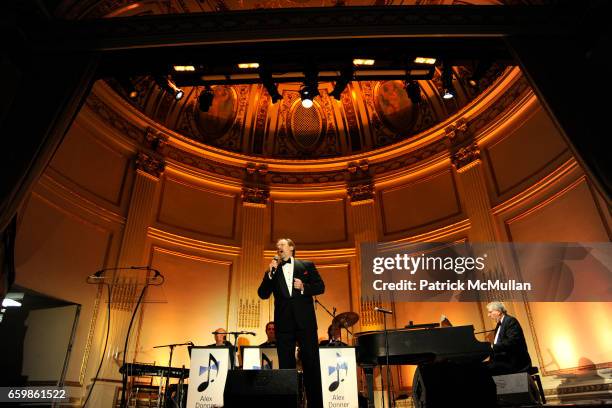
[288, 274]
[498, 330]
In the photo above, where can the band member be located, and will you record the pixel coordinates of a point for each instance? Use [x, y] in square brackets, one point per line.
[510, 353]
[221, 341]
[335, 337]
[271, 333]
[294, 282]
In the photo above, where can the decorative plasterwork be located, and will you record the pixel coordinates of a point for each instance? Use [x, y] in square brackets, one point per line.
[466, 156]
[255, 189]
[383, 162]
[360, 186]
[150, 164]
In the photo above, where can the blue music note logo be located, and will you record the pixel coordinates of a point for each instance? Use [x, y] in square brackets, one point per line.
[213, 365]
[341, 364]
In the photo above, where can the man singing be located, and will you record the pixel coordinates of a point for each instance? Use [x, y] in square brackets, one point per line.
[294, 282]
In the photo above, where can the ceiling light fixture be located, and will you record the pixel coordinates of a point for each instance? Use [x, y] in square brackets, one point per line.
[248, 65]
[425, 60]
[363, 61]
[183, 68]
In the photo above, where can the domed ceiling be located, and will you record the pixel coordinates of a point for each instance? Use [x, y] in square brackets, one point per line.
[242, 118]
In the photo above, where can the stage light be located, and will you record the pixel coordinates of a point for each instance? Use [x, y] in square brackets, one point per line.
[167, 85]
[268, 83]
[128, 87]
[308, 94]
[447, 82]
[414, 91]
[346, 76]
[205, 99]
[310, 89]
[480, 69]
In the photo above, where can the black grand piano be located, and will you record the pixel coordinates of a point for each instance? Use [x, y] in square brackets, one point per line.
[418, 346]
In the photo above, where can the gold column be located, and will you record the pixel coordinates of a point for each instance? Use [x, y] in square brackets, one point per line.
[473, 189]
[127, 284]
[360, 190]
[248, 310]
[475, 194]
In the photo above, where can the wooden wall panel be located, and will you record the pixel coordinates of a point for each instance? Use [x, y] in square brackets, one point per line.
[192, 208]
[337, 294]
[55, 252]
[567, 335]
[521, 155]
[92, 164]
[570, 216]
[432, 200]
[196, 298]
[310, 222]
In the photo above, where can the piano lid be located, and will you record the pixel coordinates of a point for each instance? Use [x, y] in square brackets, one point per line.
[410, 346]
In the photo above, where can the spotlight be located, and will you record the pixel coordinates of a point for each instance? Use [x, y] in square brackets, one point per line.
[268, 83]
[480, 69]
[414, 91]
[169, 86]
[447, 82]
[308, 93]
[128, 87]
[346, 75]
[310, 89]
[205, 99]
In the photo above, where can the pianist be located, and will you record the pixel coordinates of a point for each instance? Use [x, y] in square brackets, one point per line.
[510, 353]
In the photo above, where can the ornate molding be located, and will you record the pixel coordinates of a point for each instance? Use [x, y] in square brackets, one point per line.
[150, 164]
[467, 130]
[254, 195]
[255, 189]
[154, 139]
[457, 131]
[360, 186]
[465, 156]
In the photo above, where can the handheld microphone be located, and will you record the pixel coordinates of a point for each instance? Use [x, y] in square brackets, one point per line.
[383, 310]
[276, 258]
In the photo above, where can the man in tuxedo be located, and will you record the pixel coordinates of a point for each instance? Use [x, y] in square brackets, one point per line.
[510, 353]
[271, 334]
[294, 282]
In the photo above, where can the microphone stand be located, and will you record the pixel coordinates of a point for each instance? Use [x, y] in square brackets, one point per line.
[127, 335]
[171, 346]
[387, 362]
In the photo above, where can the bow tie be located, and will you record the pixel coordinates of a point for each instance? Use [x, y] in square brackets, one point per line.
[288, 261]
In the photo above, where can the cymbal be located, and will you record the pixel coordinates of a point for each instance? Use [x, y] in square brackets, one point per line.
[346, 319]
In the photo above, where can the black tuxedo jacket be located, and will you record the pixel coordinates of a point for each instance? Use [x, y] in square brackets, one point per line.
[510, 351]
[294, 311]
